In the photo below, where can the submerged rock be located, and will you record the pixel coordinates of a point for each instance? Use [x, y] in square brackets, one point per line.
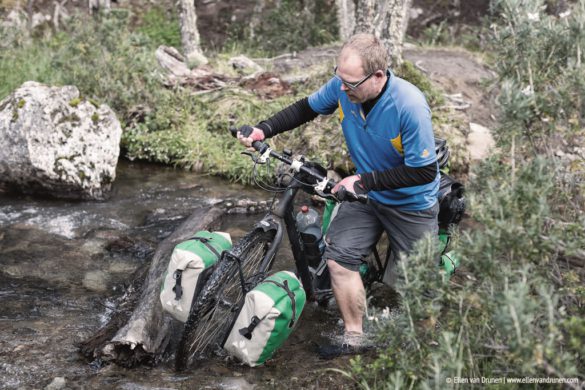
[57, 383]
[54, 142]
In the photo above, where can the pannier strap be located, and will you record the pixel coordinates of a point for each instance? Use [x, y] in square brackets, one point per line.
[290, 294]
[205, 241]
[177, 275]
[247, 332]
[178, 290]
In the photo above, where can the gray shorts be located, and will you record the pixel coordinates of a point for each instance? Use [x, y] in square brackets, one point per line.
[357, 227]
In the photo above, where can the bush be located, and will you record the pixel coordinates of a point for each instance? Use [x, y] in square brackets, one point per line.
[161, 28]
[516, 308]
[541, 63]
[513, 313]
[279, 29]
[103, 58]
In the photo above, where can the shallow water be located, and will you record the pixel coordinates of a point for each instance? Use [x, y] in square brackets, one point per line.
[63, 263]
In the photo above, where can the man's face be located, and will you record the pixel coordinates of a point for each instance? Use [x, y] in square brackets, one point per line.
[350, 70]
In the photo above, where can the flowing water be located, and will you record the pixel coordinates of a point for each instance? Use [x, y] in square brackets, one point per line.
[63, 263]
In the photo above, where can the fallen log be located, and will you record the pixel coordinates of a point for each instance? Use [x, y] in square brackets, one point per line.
[139, 332]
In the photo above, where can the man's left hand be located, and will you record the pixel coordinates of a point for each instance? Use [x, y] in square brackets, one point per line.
[352, 184]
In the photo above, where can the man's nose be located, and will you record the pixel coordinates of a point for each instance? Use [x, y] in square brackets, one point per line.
[344, 87]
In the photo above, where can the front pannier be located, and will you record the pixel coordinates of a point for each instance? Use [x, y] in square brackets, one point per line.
[267, 318]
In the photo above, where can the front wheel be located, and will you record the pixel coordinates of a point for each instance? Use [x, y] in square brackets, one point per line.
[216, 307]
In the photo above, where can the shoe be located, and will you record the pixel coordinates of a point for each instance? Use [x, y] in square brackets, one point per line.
[353, 344]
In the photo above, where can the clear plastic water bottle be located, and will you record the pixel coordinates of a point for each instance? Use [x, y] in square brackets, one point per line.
[309, 226]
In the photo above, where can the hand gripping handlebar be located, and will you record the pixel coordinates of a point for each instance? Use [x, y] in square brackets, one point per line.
[342, 194]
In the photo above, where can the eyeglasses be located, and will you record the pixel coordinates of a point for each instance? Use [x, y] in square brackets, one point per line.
[352, 86]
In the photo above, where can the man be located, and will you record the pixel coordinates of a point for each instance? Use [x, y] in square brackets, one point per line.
[386, 122]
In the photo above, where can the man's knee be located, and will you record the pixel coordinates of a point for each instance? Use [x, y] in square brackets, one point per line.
[340, 270]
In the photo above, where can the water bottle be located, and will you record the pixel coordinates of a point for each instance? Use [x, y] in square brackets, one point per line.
[309, 226]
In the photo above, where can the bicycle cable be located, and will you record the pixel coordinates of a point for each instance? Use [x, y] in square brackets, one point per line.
[265, 187]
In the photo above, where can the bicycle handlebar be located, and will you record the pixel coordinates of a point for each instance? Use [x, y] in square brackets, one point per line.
[342, 194]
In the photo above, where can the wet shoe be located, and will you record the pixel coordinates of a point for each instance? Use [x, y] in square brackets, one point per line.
[353, 343]
[327, 352]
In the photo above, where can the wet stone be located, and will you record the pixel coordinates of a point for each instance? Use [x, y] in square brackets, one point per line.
[121, 267]
[95, 281]
[56, 384]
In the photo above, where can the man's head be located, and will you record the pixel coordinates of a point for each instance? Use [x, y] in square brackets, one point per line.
[361, 66]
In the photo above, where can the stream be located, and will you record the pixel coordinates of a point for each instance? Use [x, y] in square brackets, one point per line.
[64, 263]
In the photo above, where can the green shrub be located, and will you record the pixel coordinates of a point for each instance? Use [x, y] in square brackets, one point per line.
[289, 26]
[161, 27]
[505, 316]
[540, 64]
[102, 57]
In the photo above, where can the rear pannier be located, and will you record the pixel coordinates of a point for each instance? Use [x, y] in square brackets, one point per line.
[191, 262]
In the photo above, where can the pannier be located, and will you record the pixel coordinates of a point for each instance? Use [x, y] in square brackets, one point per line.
[190, 264]
[267, 318]
[451, 201]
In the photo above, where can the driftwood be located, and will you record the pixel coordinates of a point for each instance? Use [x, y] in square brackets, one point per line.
[140, 332]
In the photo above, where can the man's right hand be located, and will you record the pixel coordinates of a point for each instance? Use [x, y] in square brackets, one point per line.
[248, 134]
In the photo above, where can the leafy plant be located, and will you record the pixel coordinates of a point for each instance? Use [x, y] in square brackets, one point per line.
[540, 66]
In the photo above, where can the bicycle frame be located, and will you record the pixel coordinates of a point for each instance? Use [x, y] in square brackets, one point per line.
[280, 218]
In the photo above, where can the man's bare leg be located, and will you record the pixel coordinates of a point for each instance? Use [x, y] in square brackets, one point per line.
[350, 295]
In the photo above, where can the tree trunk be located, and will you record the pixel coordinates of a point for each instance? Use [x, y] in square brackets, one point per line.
[387, 19]
[346, 17]
[96, 5]
[190, 35]
[256, 17]
[140, 332]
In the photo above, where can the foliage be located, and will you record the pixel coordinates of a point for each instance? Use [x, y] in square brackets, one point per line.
[409, 72]
[506, 315]
[101, 57]
[161, 27]
[541, 63]
[516, 308]
[444, 34]
[289, 26]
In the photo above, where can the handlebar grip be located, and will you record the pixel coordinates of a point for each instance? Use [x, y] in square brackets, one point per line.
[353, 197]
[343, 194]
[362, 198]
[259, 146]
[244, 130]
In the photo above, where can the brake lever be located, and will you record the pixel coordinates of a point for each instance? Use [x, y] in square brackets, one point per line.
[326, 196]
[251, 155]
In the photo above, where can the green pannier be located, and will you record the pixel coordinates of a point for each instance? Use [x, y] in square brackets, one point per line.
[267, 318]
[190, 261]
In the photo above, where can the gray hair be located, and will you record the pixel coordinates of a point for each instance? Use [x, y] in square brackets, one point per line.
[371, 50]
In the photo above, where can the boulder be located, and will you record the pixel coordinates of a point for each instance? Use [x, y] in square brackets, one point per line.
[480, 141]
[54, 142]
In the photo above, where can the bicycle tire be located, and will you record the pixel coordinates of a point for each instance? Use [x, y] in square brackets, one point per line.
[216, 306]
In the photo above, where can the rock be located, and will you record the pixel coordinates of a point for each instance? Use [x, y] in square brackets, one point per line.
[54, 142]
[95, 281]
[245, 64]
[480, 142]
[56, 384]
[15, 19]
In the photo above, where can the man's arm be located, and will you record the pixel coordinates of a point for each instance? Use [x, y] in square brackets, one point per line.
[399, 177]
[289, 118]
